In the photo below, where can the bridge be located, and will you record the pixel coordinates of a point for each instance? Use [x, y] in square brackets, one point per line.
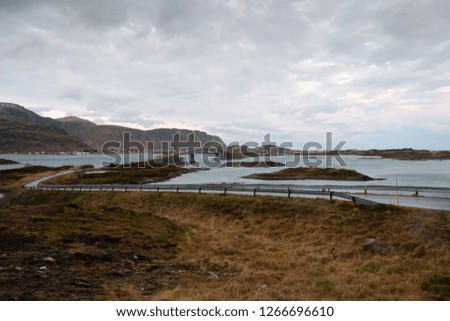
[221, 189]
[343, 192]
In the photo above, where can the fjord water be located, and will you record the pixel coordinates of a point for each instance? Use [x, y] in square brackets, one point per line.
[62, 160]
[388, 172]
[429, 173]
[408, 173]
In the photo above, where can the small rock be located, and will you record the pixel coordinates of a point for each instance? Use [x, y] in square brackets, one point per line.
[263, 286]
[84, 284]
[376, 247]
[121, 273]
[212, 275]
[135, 257]
[43, 268]
[18, 268]
[48, 259]
[2, 269]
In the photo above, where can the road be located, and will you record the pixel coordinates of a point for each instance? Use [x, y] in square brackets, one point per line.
[413, 196]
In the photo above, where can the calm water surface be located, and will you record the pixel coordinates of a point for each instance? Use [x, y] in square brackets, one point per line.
[408, 173]
[61, 160]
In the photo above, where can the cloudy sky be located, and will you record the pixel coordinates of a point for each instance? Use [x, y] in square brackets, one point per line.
[375, 73]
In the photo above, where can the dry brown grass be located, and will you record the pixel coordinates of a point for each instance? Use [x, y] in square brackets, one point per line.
[312, 253]
[14, 178]
[268, 248]
[122, 176]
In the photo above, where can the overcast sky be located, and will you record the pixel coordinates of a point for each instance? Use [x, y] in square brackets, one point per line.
[375, 73]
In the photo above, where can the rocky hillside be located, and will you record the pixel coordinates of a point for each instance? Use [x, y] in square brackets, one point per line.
[15, 112]
[24, 137]
[96, 135]
[22, 130]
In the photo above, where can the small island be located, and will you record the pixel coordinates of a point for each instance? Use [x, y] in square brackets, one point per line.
[255, 164]
[7, 162]
[302, 173]
[401, 154]
[153, 171]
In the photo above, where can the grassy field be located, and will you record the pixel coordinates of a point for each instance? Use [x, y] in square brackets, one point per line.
[14, 178]
[135, 173]
[122, 176]
[300, 173]
[180, 246]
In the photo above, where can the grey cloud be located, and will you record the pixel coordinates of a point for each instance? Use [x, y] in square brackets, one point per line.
[235, 68]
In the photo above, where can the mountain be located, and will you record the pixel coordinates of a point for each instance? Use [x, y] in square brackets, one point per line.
[22, 130]
[96, 135]
[15, 112]
[22, 137]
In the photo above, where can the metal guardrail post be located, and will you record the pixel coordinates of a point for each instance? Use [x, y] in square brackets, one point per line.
[192, 188]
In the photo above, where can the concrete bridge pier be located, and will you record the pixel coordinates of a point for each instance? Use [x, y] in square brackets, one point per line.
[192, 158]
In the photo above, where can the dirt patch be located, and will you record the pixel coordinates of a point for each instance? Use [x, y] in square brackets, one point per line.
[15, 242]
[180, 246]
[70, 252]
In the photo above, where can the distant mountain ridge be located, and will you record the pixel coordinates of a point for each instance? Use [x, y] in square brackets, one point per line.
[96, 135]
[75, 119]
[15, 112]
[22, 130]
[22, 137]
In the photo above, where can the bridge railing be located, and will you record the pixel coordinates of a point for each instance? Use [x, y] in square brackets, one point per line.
[247, 190]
